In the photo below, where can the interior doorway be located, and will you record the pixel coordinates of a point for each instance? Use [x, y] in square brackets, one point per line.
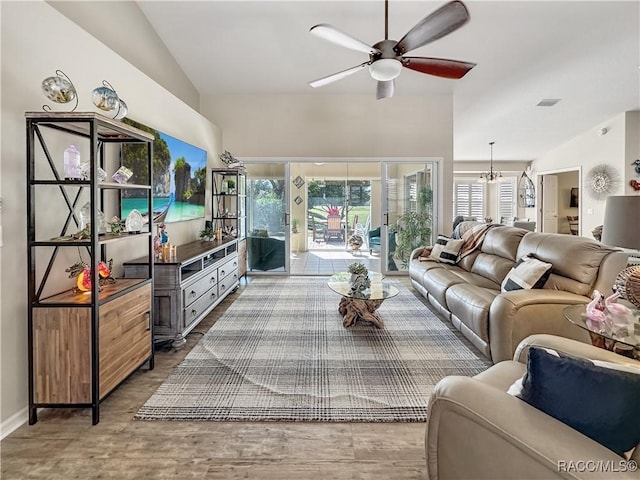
[560, 204]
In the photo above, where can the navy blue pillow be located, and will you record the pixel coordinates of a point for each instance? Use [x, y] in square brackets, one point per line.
[599, 402]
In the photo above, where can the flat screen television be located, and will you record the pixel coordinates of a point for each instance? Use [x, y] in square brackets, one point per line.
[179, 178]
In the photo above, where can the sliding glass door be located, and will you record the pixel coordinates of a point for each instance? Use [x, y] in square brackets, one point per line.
[408, 206]
[307, 212]
[268, 218]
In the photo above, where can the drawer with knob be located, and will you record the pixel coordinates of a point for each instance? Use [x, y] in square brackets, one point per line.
[228, 268]
[193, 291]
[193, 312]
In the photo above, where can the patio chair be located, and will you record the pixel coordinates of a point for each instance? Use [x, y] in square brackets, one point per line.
[334, 228]
[317, 229]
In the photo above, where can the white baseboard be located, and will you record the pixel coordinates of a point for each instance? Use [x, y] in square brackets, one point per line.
[14, 422]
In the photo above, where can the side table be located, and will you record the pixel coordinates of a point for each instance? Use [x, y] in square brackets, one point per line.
[623, 341]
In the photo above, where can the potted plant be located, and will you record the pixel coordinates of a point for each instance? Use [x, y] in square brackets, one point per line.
[413, 229]
[207, 233]
[294, 225]
[231, 184]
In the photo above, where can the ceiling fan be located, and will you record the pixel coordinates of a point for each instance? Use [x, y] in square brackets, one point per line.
[387, 57]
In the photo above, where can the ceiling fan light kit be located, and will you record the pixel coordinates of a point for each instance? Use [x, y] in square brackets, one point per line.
[385, 69]
[386, 58]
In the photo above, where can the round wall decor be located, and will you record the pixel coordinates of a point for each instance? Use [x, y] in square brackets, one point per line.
[602, 180]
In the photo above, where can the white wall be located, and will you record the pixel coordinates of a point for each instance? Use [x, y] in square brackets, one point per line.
[119, 25]
[36, 40]
[321, 125]
[590, 149]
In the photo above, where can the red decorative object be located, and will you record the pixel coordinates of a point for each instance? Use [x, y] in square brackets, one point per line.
[635, 184]
[83, 275]
[84, 280]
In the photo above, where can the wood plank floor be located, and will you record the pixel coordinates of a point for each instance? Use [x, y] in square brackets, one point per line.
[64, 444]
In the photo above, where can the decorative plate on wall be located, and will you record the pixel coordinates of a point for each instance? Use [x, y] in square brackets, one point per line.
[298, 181]
[602, 180]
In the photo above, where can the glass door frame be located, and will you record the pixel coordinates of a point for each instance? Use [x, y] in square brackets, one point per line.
[436, 170]
[286, 209]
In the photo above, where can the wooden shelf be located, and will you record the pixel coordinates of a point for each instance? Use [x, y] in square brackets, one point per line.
[107, 292]
[103, 239]
[87, 183]
[78, 123]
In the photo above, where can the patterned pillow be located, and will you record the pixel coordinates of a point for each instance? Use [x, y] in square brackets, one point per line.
[440, 243]
[446, 250]
[528, 272]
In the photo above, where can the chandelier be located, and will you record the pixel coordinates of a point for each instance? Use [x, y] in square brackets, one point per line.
[491, 176]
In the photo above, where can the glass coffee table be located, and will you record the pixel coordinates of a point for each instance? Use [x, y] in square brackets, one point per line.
[361, 305]
[622, 339]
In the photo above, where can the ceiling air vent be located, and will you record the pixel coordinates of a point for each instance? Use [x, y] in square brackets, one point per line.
[548, 102]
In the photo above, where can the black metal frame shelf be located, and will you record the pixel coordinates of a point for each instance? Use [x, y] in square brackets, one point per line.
[99, 131]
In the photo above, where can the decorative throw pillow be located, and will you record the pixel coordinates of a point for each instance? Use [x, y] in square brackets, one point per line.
[446, 250]
[528, 272]
[450, 251]
[439, 244]
[601, 403]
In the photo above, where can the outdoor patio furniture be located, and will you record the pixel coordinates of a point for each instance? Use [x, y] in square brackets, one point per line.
[317, 229]
[374, 240]
[334, 230]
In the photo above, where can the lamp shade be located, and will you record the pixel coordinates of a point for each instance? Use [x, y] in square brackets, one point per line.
[385, 69]
[622, 222]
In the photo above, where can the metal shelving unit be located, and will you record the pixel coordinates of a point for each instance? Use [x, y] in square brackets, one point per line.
[77, 355]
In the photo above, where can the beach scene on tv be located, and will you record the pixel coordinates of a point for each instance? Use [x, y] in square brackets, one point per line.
[179, 178]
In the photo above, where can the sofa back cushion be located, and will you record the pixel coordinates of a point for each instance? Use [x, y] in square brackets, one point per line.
[498, 253]
[576, 260]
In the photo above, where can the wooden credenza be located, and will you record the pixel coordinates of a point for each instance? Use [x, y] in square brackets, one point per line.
[188, 287]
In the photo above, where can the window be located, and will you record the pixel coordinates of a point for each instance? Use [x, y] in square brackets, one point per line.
[507, 198]
[468, 198]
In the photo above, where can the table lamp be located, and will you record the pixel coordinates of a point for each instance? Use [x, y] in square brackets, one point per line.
[622, 229]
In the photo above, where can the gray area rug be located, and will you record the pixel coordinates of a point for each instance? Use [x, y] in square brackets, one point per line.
[280, 353]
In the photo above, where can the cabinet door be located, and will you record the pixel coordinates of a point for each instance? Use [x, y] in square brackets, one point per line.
[125, 336]
[62, 355]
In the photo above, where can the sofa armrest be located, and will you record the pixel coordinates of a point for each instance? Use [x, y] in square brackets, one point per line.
[517, 314]
[571, 347]
[418, 252]
[477, 431]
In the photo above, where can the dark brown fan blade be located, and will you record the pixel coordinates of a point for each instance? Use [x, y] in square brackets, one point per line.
[385, 89]
[440, 23]
[440, 67]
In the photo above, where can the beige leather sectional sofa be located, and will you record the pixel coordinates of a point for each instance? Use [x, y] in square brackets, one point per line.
[469, 293]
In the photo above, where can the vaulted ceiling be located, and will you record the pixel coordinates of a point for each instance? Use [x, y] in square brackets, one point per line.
[585, 53]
